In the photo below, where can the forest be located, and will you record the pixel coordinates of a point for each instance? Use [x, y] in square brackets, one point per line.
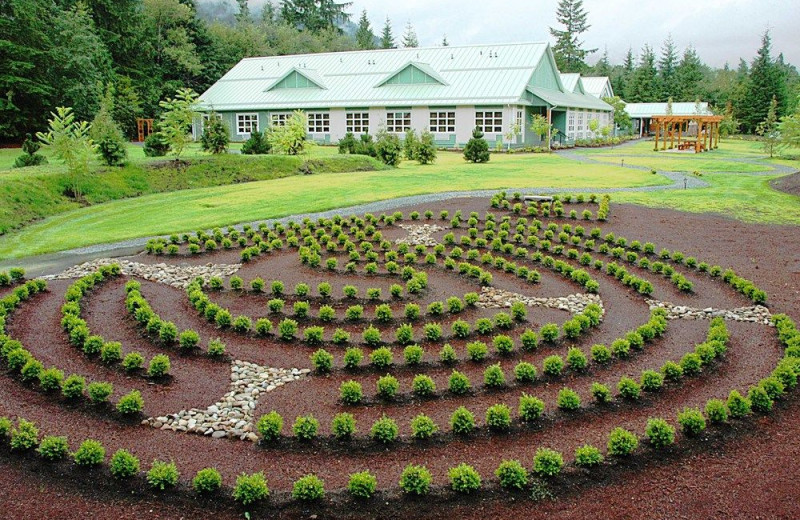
[69, 52]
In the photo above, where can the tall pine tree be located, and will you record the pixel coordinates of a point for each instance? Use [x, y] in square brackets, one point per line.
[365, 38]
[315, 15]
[387, 38]
[568, 50]
[410, 36]
[688, 75]
[764, 82]
[667, 76]
[644, 83]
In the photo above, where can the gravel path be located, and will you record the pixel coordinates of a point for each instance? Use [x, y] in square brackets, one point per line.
[55, 262]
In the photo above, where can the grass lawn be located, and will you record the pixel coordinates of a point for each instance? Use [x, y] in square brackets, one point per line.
[208, 207]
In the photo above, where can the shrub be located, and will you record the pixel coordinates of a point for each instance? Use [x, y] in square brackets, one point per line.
[459, 383]
[576, 359]
[759, 399]
[340, 337]
[464, 479]
[189, 339]
[343, 426]
[308, 488]
[25, 436]
[353, 357]
[529, 340]
[512, 475]
[423, 386]
[691, 364]
[415, 480]
[169, 332]
[423, 427]
[493, 376]
[413, 354]
[123, 465]
[652, 381]
[549, 332]
[411, 311]
[130, 403]
[621, 348]
[270, 426]
[111, 352]
[89, 453]
[715, 411]
[601, 393]
[159, 366]
[362, 485]
[381, 358]
[587, 456]
[498, 417]
[305, 428]
[432, 331]
[384, 430]
[275, 305]
[387, 387]
[660, 433]
[250, 489]
[738, 405]
[525, 372]
[462, 421]
[530, 408]
[672, 371]
[99, 392]
[132, 361]
[460, 328]
[621, 442]
[216, 348]
[287, 328]
[51, 379]
[72, 387]
[207, 481]
[547, 462]
[53, 448]
[568, 399]
[477, 351]
[448, 354]
[692, 421]
[628, 388]
[553, 365]
[92, 346]
[503, 344]
[322, 360]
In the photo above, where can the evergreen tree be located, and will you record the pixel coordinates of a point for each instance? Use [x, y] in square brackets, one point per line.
[623, 88]
[568, 50]
[176, 121]
[243, 16]
[106, 134]
[666, 69]
[477, 149]
[445, 43]
[127, 106]
[426, 149]
[768, 128]
[387, 38]
[644, 83]
[603, 66]
[764, 83]
[315, 15]
[215, 135]
[410, 36]
[688, 75]
[365, 38]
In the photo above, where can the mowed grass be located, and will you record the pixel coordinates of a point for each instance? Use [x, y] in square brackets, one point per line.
[209, 207]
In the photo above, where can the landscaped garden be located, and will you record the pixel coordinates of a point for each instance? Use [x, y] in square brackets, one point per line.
[418, 361]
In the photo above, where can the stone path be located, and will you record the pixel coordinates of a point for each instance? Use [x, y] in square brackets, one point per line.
[174, 275]
[752, 314]
[419, 234]
[231, 416]
[493, 298]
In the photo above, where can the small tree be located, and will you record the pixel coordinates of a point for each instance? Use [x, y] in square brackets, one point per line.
[70, 142]
[426, 149]
[29, 156]
[291, 137]
[768, 129]
[410, 144]
[541, 127]
[107, 133]
[511, 134]
[387, 148]
[215, 135]
[789, 128]
[477, 149]
[176, 121]
[621, 117]
[257, 144]
[729, 124]
[594, 125]
[669, 106]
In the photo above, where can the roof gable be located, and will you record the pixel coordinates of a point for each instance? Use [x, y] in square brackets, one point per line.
[413, 73]
[546, 73]
[297, 78]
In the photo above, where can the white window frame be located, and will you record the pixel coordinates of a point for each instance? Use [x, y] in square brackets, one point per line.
[279, 118]
[319, 122]
[442, 121]
[489, 121]
[246, 122]
[398, 121]
[357, 122]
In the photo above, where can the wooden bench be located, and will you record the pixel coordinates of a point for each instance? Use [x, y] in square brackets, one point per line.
[537, 198]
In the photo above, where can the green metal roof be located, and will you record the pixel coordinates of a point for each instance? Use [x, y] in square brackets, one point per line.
[568, 99]
[467, 75]
[639, 110]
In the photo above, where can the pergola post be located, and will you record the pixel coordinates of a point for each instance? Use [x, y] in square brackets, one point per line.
[658, 128]
[699, 132]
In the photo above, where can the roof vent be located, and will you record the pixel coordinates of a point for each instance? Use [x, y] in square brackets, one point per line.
[452, 56]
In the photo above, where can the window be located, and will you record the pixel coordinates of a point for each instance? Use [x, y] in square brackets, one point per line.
[489, 122]
[319, 122]
[398, 122]
[358, 122]
[246, 123]
[279, 119]
[580, 122]
[571, 122]
[442, 122]
[520, 120]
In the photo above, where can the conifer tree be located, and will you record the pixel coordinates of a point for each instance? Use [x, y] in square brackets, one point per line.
[666, 69]
[387, 38]
[764, 82]
[410, 36]
[365, 38]
[445, 43]
[644, 86]
[568, 50]
[768, 128]
[688, 75]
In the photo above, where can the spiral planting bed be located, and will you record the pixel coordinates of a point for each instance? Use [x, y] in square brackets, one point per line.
[493, 352]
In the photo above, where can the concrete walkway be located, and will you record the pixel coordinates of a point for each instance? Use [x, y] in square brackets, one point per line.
[56, 262]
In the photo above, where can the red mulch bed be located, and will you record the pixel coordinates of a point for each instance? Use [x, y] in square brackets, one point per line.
[742, 470]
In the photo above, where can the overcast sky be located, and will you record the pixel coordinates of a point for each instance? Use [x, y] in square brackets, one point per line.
[721, 30]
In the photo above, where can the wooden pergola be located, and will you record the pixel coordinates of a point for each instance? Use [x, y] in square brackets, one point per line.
[144, 128]
[669, 127]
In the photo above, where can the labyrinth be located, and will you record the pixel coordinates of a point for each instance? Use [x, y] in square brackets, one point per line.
[512, 349]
